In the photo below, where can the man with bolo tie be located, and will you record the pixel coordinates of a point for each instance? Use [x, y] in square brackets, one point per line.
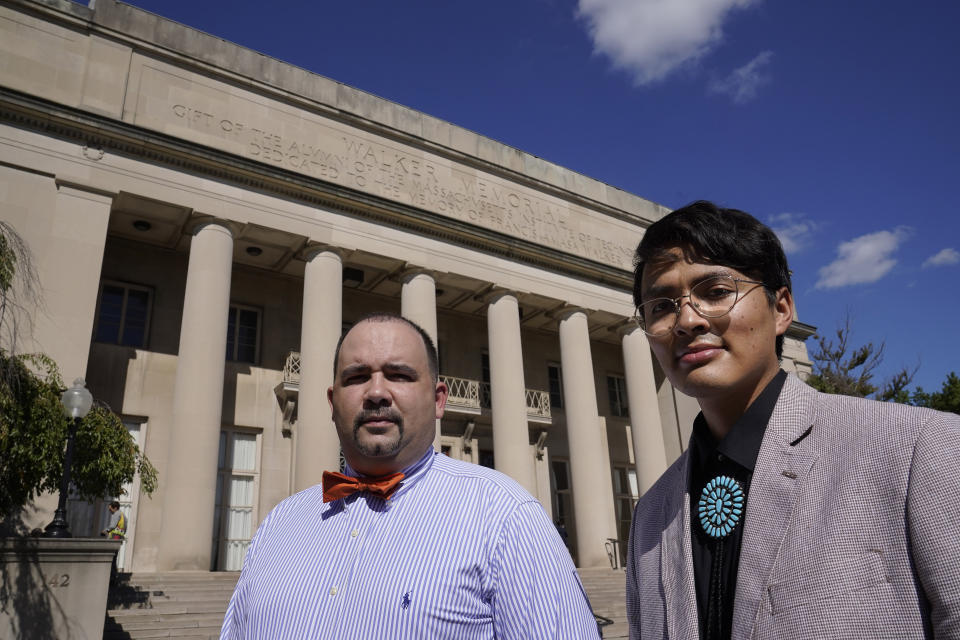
[792, 514]
[406, 543]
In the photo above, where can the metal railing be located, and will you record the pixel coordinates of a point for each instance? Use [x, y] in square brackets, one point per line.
[291, 368]
[464, 393]
[616, 553]
[486, 396]
[538, 402]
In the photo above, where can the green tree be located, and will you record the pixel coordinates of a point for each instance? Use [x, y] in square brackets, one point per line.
[839, 367]
[33, 429]
[947, 399]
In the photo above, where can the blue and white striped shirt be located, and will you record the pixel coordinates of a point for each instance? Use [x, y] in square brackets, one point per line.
[460, 552]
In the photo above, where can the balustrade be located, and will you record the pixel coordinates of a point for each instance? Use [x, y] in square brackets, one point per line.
[291, 368]
[465, 395]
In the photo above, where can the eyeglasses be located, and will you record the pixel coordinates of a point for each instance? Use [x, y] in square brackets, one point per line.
[712, 298]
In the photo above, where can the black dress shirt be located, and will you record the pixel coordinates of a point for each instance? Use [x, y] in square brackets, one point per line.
[734, 456]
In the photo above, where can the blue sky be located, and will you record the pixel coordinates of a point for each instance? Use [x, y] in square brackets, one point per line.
[835, 122]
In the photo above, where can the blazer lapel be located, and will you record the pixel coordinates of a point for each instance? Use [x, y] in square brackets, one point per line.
[676, 562]
[774, 490]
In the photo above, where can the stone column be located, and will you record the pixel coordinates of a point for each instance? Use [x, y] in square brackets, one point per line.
[68, 239]
[511, 442]
[593, 509]
[418, 303]
[315, 441]
[70, 274]
[418, 300]
[190, 480]
[649, 453]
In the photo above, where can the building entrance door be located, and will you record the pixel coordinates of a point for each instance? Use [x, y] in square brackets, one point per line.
[236, 500]
[90, 518]
[563, 503]
[128, 500]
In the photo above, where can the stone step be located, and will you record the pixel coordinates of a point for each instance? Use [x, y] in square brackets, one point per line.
[202, 576]
[174, 595]
[152, 620]
[165, 608]
[163, 626]
[205, 633]
[172, 587]
[185, 621]
[167, 588]
[606, 589]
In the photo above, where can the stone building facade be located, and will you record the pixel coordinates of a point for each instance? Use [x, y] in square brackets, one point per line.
[207, 220]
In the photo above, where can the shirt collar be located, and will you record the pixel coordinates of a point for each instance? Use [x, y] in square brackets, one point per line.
[742, 443]
[411, 474]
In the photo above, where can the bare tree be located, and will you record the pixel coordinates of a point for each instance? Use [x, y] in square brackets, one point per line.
[19, 287]
[839, 367]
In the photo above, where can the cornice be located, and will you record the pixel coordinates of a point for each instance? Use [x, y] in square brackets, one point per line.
[800, 331]
[118, 137]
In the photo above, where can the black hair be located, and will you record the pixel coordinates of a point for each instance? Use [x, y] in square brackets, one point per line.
[712, 234]
[433, 360]
[115, 504]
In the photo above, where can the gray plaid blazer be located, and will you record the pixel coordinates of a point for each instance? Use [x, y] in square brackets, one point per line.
[852, 529]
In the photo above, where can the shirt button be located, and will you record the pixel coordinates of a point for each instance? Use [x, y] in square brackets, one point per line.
[719, 457]
[354, 533]
[333, 591]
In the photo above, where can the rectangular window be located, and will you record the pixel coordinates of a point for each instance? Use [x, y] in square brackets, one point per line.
[555, 383]
[123, 314]
[486, 459]
[617, 389]
[626, 493]
[562, 495]
[485, 396]
[243, 334]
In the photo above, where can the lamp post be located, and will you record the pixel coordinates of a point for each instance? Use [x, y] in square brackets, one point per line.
[76, 404]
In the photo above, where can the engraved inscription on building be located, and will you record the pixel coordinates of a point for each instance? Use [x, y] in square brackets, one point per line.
[337, 153]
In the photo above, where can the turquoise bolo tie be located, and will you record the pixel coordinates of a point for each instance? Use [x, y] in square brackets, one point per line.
[720, 507]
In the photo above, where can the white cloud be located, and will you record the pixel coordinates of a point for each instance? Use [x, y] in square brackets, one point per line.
[653, 38]
[742, 83]
[942, 258]
[864, 259]
[794, 230]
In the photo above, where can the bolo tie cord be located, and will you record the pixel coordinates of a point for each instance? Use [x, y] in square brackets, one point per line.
[715, 603]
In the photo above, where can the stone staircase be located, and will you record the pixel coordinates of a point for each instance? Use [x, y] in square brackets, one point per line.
[191, 605]
[188, 605]
[606, 589]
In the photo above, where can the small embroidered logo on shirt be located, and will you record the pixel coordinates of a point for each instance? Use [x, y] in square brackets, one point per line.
[405, 602]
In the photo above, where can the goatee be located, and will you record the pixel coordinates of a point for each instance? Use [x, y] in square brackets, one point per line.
[378, 449]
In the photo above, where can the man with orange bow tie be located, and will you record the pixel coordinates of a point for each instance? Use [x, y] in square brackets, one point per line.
[406, 543]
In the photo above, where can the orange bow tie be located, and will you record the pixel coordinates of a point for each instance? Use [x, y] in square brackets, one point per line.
[336, 485]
